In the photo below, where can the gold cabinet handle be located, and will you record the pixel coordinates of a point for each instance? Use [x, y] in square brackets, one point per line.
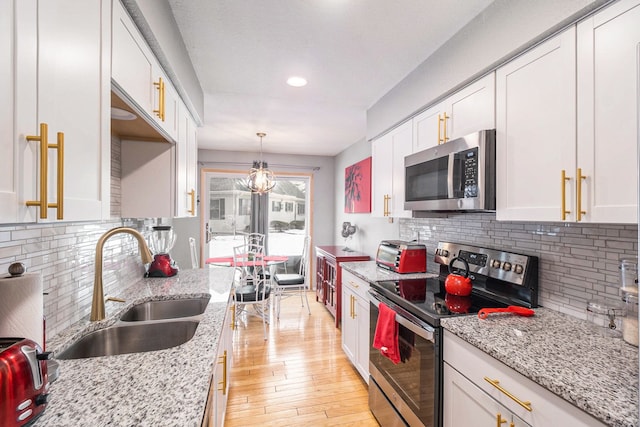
[525, 404]
[353, 306]
[499, 420]
[444, 127]
[386, 205]
[563, 190]
[59, 205]
[44, 162]
[43, 203]
[160, 111]
[440, 119]
[223, 383]
[192, 196]
[579, 178]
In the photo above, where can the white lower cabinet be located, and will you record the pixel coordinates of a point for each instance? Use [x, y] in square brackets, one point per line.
[220, 377]
[355, 322]
[481, 391]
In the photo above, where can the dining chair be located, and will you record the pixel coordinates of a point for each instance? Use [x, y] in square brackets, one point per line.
[251, 288]
[254, 238]
[290, 284]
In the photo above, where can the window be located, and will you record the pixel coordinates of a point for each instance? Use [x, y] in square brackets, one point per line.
[244, 206]
[276, 206]
[288, 207]
[300, 208]
[216, 209]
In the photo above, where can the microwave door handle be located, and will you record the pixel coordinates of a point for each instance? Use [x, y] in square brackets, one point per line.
[451, 175]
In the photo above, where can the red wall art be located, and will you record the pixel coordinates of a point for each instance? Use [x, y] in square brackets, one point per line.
[357, 187]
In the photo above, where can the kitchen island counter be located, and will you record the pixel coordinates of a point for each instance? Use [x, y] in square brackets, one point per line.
[565, 355]
[166, 387]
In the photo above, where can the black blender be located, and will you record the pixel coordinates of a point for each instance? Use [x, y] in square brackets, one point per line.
[161, 241]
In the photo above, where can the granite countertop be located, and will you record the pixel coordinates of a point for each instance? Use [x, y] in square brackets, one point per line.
[568, 356]
[166, 387]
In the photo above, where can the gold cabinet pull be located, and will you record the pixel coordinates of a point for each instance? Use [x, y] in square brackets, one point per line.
[563, 180]
[44, 162]
[579, 178]
[223, 383]
[500, 420]
[59, 205]
[353, 306]
[192, 196]
[160, 111]
[440, 140]
[386, 205]
[525, 404]
[444, 127]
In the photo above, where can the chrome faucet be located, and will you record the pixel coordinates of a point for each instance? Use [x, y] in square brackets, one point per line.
[97, 304]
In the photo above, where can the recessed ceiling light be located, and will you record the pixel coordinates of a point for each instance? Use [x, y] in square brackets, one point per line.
[296, 81]
[120, 114]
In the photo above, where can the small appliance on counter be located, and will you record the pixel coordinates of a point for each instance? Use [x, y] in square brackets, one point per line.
[402, 257]
[161, 241]
[24, 382]
[629, 290]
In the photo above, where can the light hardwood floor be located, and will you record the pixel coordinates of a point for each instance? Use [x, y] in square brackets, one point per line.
[299, 376]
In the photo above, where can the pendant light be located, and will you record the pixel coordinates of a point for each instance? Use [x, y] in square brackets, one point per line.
[260, 180]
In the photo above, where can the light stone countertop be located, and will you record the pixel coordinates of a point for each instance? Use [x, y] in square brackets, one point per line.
[565, 355]
[158, 388]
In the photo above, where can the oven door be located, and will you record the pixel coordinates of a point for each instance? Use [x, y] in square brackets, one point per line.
[413, 386]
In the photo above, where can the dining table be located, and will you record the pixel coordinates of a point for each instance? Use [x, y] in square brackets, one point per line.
[228, 261]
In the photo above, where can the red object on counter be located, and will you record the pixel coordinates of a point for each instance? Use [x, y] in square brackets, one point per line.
[520, 311]
[386, 335]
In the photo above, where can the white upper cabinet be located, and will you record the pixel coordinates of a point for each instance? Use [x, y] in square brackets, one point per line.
[186, 165]
[608, 76]
[535, 131]
[469, 110]
[55, 128]
[567, 124]
[139, 77]
[387, 171]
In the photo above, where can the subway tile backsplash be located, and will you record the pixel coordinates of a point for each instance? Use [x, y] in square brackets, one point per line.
[578, 262]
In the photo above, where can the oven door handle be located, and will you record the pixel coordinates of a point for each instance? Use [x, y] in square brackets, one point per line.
[407, 320]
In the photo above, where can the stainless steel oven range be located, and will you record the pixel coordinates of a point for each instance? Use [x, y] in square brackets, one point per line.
[410, 392]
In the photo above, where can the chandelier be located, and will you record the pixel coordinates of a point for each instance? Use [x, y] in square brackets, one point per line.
[260, 180]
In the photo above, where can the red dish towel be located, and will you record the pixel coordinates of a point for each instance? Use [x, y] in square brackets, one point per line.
[386, 336]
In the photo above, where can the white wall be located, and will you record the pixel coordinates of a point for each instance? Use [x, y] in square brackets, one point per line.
[321, 168]
[370, 230]
[503, 29]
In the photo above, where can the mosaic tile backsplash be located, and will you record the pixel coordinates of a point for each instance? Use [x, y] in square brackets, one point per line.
[578, 262]
[64, 253]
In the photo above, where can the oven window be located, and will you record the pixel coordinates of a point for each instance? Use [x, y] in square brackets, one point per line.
[427, 181]
[415, 378]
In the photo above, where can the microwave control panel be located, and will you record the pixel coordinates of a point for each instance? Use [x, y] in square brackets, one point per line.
[469, 178]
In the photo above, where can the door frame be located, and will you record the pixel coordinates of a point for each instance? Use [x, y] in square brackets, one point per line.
[289, 175]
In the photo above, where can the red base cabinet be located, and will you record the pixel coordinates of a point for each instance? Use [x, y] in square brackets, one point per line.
[329, 276]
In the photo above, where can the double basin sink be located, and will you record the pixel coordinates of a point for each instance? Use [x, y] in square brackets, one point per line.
[149, 326]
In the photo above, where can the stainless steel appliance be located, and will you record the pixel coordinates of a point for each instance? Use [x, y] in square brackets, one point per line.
[410, 392]
[23, 381]
[459, 175]
[401, 256]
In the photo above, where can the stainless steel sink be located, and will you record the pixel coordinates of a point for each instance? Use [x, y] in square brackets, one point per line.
[131, 338]
[166, 309]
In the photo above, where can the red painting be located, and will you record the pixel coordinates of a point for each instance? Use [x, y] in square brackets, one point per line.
[357, 187]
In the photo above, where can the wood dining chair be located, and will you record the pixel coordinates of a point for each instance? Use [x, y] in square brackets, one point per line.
[290, 284]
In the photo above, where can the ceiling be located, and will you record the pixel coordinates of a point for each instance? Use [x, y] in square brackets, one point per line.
[351, 52]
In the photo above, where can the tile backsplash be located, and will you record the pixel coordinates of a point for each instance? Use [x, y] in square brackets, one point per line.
[64, 253]
[578, 262]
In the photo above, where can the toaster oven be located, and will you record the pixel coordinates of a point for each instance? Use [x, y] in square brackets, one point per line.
[402, 257]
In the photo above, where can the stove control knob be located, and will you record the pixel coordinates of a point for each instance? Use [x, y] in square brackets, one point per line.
[495, 263]
[518, 269]
[506, 266]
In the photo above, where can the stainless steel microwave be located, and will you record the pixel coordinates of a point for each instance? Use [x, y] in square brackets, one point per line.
[459, 175]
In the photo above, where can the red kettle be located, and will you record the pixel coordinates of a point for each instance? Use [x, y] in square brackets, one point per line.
[456, 284]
